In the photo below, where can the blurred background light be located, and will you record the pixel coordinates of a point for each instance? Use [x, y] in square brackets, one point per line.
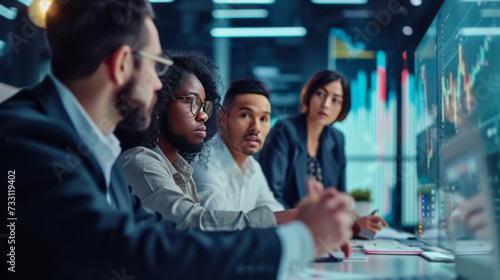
[232, 32]
[37, 12]
[350, 2]
[8, 13]
[243, 1]
[407, 30]
[416, 2]
[26, 2]
[247, 13]
[356, 13]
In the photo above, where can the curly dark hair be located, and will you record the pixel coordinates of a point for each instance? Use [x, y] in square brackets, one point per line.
[185, 63]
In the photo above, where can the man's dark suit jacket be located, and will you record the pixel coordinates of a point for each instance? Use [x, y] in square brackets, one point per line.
[66, 229]
[284, 159]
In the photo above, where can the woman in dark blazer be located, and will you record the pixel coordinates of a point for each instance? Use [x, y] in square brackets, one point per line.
[307, 144]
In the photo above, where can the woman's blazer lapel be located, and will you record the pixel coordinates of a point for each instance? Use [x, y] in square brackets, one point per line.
[300, 160]
[328, 162]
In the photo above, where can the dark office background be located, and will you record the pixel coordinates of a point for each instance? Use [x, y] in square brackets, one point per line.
[186, 24]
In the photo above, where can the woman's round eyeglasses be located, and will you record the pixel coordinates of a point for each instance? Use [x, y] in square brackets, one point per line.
[197, 104]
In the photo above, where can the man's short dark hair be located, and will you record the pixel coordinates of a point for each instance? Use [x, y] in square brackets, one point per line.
[83, 33]
[244, 86]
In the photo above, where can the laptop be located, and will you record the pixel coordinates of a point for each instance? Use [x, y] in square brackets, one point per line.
[470, 190]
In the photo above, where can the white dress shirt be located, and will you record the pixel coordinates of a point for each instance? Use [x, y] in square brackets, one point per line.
[105, 148]
[222, 185]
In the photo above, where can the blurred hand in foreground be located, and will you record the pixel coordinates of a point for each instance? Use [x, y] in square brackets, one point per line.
[327, 214]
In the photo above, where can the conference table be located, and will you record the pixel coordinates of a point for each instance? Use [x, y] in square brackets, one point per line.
[378, 266]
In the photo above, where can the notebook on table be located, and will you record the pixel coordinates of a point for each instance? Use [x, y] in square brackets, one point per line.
[391, 249]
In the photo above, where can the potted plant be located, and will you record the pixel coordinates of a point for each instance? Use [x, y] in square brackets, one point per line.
[362, 198]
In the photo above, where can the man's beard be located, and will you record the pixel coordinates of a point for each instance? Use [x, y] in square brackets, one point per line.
[136, 114]
[180, 142]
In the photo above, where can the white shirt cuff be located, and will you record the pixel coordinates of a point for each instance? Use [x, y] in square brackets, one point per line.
[297, 248]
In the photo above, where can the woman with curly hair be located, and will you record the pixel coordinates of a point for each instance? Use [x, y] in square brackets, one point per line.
[156, 161]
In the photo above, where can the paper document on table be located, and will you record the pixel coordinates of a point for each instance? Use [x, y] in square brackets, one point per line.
[391, 249]
[319, 272]
[360, 243]
[387, 232]
[353, 257]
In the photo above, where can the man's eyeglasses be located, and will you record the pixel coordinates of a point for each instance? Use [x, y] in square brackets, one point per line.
[162, 62]
[197, 104]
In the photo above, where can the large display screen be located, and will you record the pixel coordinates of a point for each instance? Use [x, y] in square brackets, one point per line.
[457, 149]
[424, 142]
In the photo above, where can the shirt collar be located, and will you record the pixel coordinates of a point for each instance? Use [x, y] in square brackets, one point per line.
[105, 148]
[180, 165]
[227, 159]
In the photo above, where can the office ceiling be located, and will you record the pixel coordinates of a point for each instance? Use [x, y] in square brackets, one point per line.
[186, 24]
[193, 18]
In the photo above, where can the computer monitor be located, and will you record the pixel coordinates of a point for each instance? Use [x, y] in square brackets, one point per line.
[458, 142]
[468, 202]
[426, 108]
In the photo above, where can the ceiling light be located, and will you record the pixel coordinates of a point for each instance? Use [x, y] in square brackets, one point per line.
[249, 13]
[356, 2]
[480, 31]
[266, 71]
[407, 30]
[416, 2]
[26, 2]
[232, 32]
[8, 13]
[243, 1]
[356, 13]
[161, 1]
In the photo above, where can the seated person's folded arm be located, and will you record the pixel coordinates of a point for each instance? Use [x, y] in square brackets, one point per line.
[146, 172]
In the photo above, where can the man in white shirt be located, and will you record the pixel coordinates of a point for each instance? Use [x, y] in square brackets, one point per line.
[232, 179]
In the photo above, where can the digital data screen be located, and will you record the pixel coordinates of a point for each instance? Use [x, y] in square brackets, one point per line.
[469, 98]
[457, 87]
[426, 108]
